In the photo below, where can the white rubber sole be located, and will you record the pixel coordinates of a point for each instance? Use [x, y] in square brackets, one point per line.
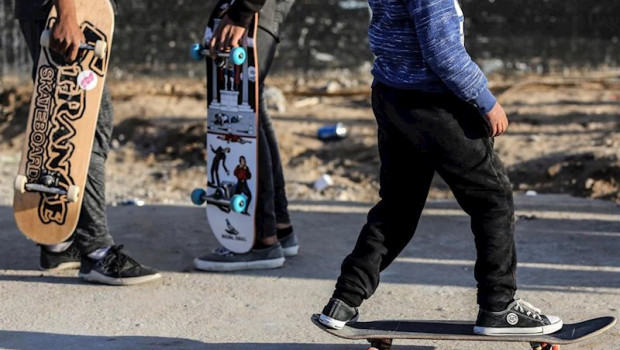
[330, 322]
[96, 277]
[335, 324]
[238, 266]
[548, 329]
[64, 266]
[291, 251]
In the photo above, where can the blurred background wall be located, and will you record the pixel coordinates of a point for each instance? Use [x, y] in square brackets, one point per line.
[152, 36]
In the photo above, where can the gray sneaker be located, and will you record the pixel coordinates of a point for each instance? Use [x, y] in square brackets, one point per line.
[223, 259]
[290, 246]
[336, 314]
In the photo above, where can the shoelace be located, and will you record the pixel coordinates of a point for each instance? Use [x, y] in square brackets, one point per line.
[222, 251]
[117, 259]
[527, 308]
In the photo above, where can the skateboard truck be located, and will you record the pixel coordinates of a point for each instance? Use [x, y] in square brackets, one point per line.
[237, 55]
[100, 48]
[238, 202]
[47, 183]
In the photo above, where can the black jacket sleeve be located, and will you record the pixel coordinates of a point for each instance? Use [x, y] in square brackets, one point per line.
[241, 11]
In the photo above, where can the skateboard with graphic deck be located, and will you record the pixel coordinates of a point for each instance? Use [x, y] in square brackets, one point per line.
[61, 128]
[381, 333]
[232, 137]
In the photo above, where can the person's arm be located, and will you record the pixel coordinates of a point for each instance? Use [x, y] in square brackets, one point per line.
[229, 32]
[66, 35]
[439, 34]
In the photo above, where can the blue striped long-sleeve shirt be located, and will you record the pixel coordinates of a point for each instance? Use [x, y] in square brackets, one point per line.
[418, 44]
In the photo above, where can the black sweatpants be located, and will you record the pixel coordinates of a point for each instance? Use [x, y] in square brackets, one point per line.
[420, 134]
[272, 204]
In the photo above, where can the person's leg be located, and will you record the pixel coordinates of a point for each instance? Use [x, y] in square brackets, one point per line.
[466, 160]
[92, 231]
[265, 212]
[405, 177]
[267, 44]
[31, 30]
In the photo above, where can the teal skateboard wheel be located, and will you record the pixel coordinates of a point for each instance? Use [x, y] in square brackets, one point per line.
[238, 203]
[237, 56]
[195, 51]
[198, 196]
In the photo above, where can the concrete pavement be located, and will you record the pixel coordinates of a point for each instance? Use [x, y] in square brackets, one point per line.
[569, 265]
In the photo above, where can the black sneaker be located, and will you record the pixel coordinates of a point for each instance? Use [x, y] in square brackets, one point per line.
[336, 314]
[289, 243]
[117, 269]
[520, 318]
[223, 259]
[65, 260]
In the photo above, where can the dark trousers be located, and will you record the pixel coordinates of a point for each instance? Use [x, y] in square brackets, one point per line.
[418, 135]
[272, 205]
[92, 230]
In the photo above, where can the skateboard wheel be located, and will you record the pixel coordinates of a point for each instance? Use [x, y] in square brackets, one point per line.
[73, 193]
[237, 56]
[195, 51]
[198, 196]
[101, 49]
[238, 203]
[45, 38]
[20, 183]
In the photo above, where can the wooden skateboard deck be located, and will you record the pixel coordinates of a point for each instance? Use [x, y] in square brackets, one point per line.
[232, 141]
[462, 330]
[61, 127]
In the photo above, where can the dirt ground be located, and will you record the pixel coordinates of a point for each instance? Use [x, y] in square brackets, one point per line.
[564, 136]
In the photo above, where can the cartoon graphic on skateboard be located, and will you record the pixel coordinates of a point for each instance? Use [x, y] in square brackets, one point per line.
[232, 137]
[61, 128]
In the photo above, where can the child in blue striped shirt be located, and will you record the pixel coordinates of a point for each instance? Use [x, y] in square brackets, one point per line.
[435, 114]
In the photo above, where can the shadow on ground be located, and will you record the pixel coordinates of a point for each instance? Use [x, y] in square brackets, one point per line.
[17, 340]
[563, 243]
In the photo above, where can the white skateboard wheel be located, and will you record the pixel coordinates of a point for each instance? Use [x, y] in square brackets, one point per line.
[73, 193]
[20, 183]
[45, 38]
[101, 48]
